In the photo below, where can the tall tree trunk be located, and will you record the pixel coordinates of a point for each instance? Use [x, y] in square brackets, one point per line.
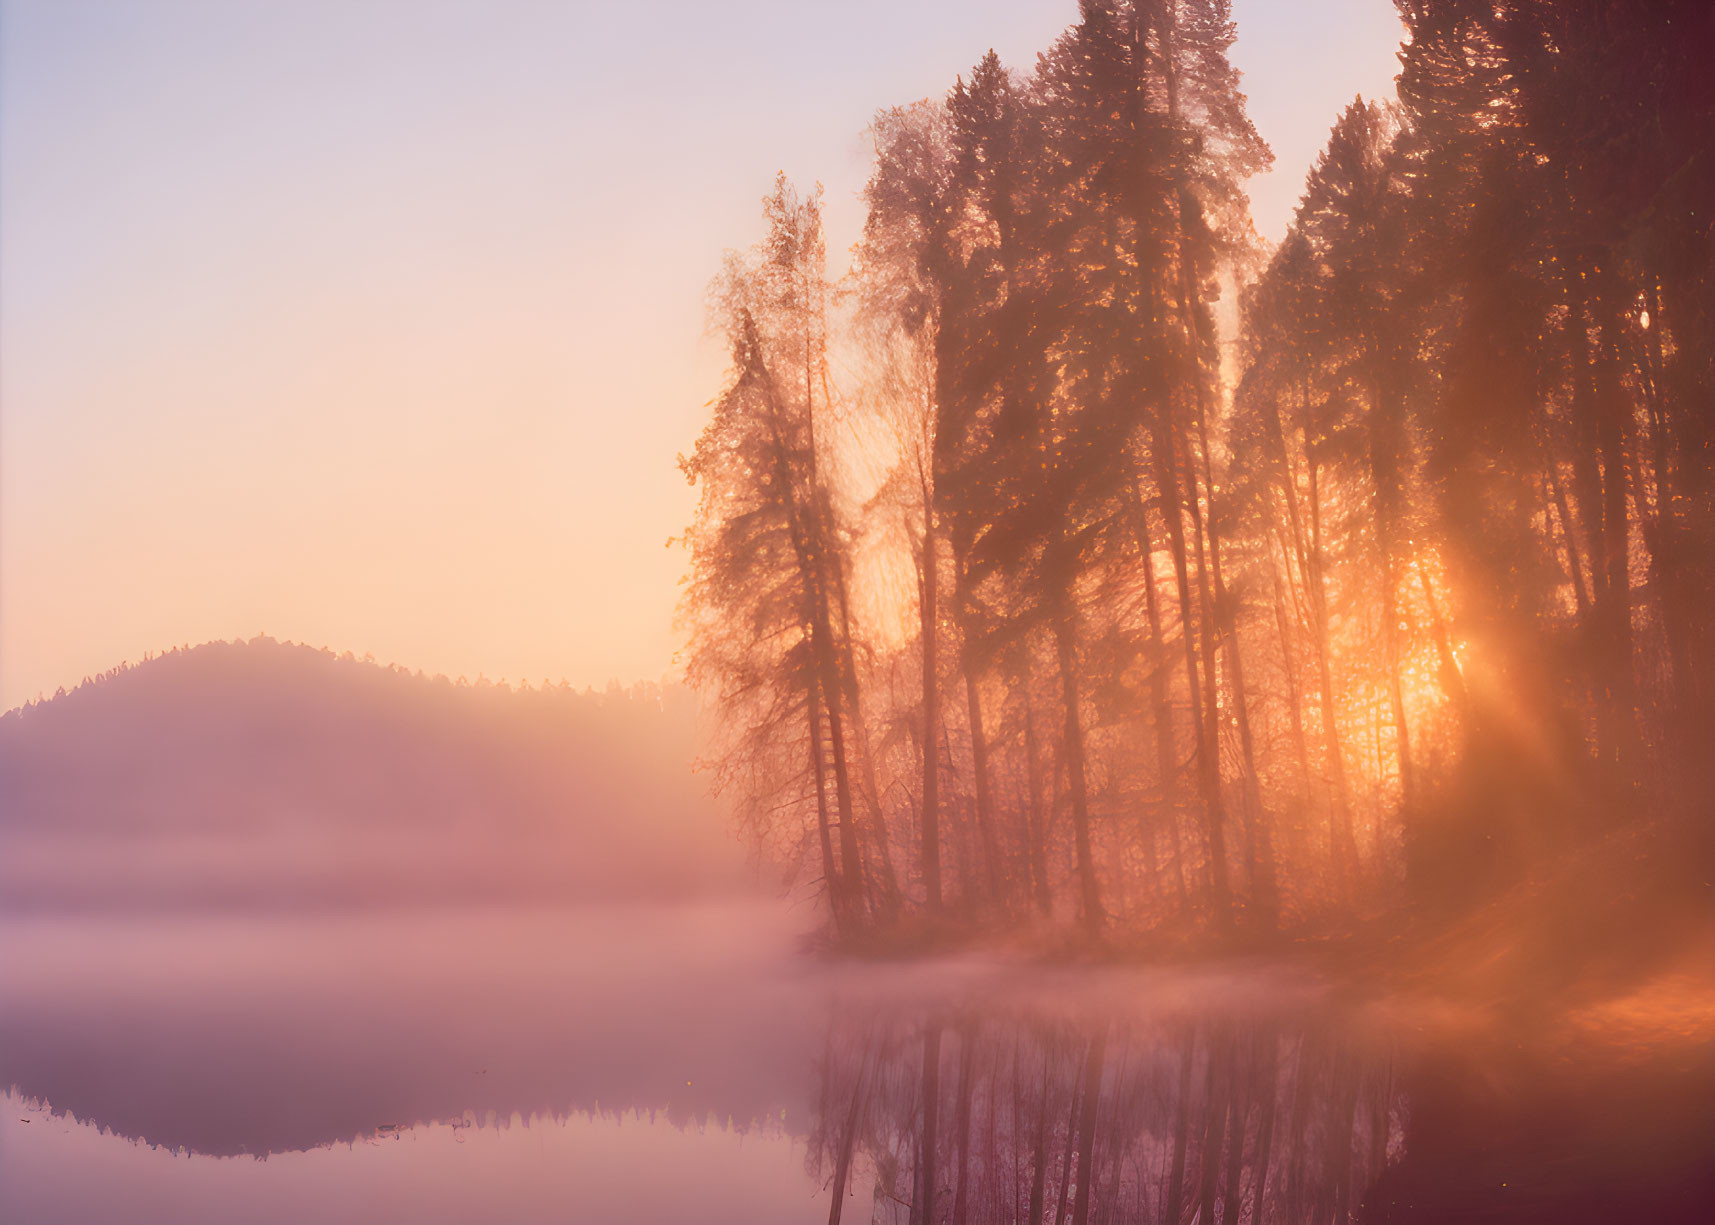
[1385, 433]
[820, 562]
[1208, 769]
[1038, 817]
[851, 870]
[1265, 884]
[830, 875]
[1569, 540]
[1091, 899]
[888, 884]
[1589, 451]
[929, 634]
[1617, 617]
[1667, 574]
[1295, 691]
[808, 531]
[1343, 845]
[980, 773]
[1161, 715]
[1259, 849]
[1209, 765]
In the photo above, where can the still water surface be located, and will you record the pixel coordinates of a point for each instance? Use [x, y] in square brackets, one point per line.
[651, 1063]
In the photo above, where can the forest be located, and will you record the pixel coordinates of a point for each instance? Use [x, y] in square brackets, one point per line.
[1079, 562]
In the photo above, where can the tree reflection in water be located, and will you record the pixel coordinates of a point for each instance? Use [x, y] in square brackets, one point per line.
[969, 1118]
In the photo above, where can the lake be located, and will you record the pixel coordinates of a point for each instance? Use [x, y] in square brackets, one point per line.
[695, 1062]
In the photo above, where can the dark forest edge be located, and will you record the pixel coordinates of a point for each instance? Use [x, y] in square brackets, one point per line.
[1042, 590]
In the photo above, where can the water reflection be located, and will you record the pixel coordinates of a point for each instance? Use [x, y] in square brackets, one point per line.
[270, 1034]
[651, 1063]
[519, 1171]
[968, 1117]
[641, 1054]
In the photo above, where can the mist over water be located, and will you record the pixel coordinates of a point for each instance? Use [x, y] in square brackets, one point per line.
[272, 1033]
[652, 1049]
[423, 1063]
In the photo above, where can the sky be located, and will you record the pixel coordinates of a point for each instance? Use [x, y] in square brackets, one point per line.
[379, 325]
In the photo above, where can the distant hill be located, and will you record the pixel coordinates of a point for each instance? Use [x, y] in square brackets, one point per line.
[262, 773]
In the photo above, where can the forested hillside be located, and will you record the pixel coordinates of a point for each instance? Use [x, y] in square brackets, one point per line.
[265, 773]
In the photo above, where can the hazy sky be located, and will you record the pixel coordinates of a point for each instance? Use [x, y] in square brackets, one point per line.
[379, 325]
